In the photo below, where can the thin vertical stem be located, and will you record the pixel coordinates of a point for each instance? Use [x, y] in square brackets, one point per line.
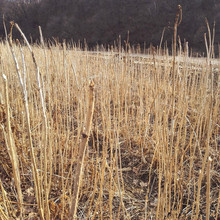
[79, 168]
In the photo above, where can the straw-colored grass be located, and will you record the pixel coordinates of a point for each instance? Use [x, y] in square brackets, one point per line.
[147, 156]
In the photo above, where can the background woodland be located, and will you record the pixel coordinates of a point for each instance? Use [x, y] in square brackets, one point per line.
[102, 21]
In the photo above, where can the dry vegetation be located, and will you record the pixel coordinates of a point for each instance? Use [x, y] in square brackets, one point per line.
[153, 149]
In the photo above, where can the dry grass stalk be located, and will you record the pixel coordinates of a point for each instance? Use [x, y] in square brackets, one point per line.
[82, 149]
[45, 139]
[208, 189]
[25, 99]
[178, 20]
[38, 75]
[11, 147]
[5, 208]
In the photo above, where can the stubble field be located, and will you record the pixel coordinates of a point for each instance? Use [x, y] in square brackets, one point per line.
[153, 147]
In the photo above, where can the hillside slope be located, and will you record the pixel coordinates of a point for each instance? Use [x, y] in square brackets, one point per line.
[103, 21]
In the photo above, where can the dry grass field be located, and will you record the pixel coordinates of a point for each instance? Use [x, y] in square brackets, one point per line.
[154, 141]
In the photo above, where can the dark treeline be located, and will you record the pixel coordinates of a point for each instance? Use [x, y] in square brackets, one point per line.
[102, 21]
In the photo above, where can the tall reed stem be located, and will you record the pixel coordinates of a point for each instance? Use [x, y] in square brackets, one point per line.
[82, 149]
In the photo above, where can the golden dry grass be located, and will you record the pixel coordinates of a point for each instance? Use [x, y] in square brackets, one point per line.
[144, 160]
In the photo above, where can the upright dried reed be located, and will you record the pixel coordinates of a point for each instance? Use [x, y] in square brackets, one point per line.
[10, 144]
[25, 99]
[82, 149]
[178, 20]
[208, 189]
